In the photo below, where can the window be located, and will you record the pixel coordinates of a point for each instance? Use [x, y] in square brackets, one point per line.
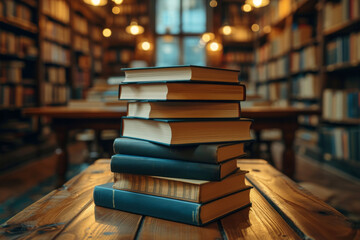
[179, 25]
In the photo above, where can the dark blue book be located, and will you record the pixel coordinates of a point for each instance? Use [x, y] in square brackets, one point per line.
[171, 168]
[168, 208]
[177, 132]
[205, 153]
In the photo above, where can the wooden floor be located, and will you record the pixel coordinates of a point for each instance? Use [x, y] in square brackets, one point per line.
[339, 191]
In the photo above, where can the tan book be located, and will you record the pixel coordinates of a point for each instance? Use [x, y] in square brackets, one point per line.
[180, 73]
[183, 189]
[183, 110]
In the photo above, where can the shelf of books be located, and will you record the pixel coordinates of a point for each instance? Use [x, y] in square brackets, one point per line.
[18, 81]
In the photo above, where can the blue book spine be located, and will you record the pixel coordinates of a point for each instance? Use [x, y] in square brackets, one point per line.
[159, 207]
[121, 163]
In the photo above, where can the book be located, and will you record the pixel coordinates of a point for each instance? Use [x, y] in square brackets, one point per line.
[168, 208]
[171, 132]
[180, 73]
[182, 91]
[206, 153]
[121, 163]
[191, 190]
[183, 110]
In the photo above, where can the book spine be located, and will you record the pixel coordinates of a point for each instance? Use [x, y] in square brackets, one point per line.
[165, 167]
[157, 186]
[159, 207]
[199, 153]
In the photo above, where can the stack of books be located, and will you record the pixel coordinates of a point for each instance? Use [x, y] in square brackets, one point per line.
[177, 157]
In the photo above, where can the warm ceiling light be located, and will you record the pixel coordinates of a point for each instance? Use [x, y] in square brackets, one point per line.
[258, 3]
[207, 37]
[118, 1]
[106, 32]
[214, 46]
[246, 7]
[255, 27]
[115, 10]
[96, 2]
[226, 30]
[134, 28]
[145, 46]
[213, 3]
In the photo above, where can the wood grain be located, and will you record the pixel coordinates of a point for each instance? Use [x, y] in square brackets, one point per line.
[49, 216]
[309, 216]
[154, 228]
[260, 221]
[102, 223]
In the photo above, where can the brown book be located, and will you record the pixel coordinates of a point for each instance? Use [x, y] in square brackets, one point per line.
[180, 73]
[182, 91]
[170, 132]
[199, 191]
[183, 110]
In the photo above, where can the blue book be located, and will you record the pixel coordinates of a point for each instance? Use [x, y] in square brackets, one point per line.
[168, 208]
[121, 163]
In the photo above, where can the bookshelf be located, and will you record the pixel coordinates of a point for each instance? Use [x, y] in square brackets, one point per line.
[324, 69]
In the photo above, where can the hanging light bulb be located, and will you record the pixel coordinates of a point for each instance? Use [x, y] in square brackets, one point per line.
[145, 45]
[96, 2]
[106, 32]
[213, 3]
[226, 29]
[115, 10]
[214, 46]
[255, 27]
[258, 3]
[134, 28]
[207, 37]
[118, 2]
[246, 7]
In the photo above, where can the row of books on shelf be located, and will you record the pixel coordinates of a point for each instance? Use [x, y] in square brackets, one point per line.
[56, 75]
[343, 49]
[81, 24]
[340, 12]
[11, 71]
[58, 9]
[118, 55]
[53, 53]
[277, 11]
[278, 45]
[97, 51]
[84, 62]
[309, 120]
[271, 71]
[341, 105]
[239, 57]
[81, 44]
[98, 66]
[17, 96]
[17, 12]
[306, 59]
[340, 143]
[96, 34]
[82, 78]
[278, 90]
[306, 86]
[56, 32]
[301, 34]
[55, 94]
[18, 45]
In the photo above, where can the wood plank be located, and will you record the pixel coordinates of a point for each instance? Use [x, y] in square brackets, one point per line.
[102, 223]
[260, 221]
[50, 215]
[155, 228]
[308, 215]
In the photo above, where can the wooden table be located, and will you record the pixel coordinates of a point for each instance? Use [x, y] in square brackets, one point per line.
[280, 209]
[65, 119]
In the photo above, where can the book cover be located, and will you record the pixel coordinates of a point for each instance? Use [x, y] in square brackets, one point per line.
[167, 208]
[205, 153]
[171, 168]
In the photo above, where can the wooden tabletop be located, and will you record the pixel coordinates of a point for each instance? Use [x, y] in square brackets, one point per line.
[118, 111]
[280, 210]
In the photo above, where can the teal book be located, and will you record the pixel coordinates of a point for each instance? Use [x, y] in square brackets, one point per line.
[168, 208]
[171, 168]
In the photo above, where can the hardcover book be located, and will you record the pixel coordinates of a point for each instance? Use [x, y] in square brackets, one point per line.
[183, 110]
[182, 91]
[171, 132]
[168, 208]
[191, 190]
[206, 153]
[180, 73]
[171, 168]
